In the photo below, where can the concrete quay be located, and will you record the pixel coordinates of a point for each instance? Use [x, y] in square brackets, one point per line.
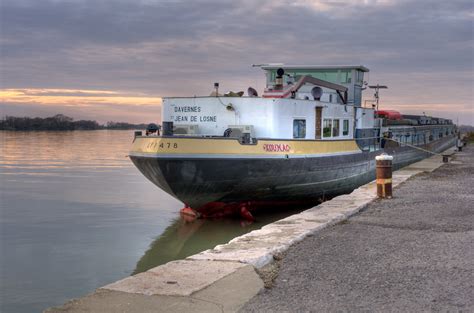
[415, 247]
[413, 253]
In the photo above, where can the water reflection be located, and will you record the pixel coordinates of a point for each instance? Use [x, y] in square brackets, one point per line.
[64, 149]
[182, 239]
[75, 214]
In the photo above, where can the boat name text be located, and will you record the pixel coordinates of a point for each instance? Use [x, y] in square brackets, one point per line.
[196, 109]
[189, 118]
[274, 147]
[194, 118]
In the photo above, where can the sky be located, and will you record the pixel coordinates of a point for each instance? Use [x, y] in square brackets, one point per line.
[114, 59]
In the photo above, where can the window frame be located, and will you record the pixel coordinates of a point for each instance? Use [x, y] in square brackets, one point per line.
[324, 127]
[343, 127]
[299, 128]
[334, 128]
[340, 127]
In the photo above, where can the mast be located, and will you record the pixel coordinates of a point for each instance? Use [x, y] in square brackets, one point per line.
[376, 94]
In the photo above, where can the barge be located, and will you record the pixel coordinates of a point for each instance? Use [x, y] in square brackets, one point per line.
[307, 138]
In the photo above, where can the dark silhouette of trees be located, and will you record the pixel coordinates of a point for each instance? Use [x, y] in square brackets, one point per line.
[86, 125]
[60, 122]
[123, 125]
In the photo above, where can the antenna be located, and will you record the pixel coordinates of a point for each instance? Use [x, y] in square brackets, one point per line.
[376, 94]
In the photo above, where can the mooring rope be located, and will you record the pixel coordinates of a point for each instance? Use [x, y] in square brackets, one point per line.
[415, 147]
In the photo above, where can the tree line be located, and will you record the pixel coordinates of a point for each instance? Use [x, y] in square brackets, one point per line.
[60, 122]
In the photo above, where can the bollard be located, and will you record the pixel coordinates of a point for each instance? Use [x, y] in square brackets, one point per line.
[459, 144]
[384, 175]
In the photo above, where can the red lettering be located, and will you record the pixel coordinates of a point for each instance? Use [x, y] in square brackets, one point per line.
[268, 147]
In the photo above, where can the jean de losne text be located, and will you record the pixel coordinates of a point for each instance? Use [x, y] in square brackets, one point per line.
[191, 118]
[194, 118]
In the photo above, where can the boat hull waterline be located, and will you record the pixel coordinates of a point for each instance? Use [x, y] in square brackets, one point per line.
[214, 177]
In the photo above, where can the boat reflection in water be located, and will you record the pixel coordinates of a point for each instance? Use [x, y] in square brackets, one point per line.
[182, 238]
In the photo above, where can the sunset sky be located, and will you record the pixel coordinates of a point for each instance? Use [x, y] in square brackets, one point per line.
[113, 60]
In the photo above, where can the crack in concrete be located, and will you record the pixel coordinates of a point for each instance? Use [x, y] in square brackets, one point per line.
[220, 306]
[423, 227]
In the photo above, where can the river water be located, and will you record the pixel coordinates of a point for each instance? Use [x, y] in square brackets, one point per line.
[75, 214]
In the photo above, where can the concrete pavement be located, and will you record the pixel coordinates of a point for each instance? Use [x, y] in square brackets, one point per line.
[413, 253]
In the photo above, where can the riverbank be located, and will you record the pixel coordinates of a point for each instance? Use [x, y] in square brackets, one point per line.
[60, 122]
[228, 276]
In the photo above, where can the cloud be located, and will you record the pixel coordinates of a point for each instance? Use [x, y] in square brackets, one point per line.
[99, 112]
[418, 48]
[101, 105]
[75, 97]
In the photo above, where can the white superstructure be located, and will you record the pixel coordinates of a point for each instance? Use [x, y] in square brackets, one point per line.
[270, 118]
[287, 110]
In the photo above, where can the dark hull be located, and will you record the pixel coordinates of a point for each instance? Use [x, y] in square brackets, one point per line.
[198, 181]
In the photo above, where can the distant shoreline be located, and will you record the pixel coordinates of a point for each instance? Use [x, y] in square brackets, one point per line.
[61, 122]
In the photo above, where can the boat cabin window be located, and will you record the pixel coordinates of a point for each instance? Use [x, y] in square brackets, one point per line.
[360, 77]
[345, 127]
[299, 128]
[346, 76]
[335, 128]
[327, 126]
[332, 127]
[330, 75]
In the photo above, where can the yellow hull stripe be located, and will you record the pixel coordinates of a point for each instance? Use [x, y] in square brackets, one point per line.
[159, 145]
